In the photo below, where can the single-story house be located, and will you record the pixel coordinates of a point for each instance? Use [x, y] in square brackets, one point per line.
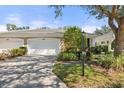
[38, 41]
[46, 41]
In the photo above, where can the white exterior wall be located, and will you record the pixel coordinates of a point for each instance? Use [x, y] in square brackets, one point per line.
[104, 38]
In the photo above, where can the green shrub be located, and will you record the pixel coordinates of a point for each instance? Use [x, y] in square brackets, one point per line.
[64, 56]
[99, 49]
[105, 49]
[13, 53]
[17, 52]
[96, 50]
[118, 63]
[109, 61]
[24, 49]
[106, 61]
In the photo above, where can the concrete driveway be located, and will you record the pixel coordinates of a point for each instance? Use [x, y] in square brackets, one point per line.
[29, 72]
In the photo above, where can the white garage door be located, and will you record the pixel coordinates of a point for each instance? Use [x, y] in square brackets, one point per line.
[47, 46]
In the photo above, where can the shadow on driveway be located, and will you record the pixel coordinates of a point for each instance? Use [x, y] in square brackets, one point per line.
[29, 72]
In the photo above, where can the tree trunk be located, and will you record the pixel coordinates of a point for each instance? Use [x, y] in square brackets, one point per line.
[118, 44]
[119, 38]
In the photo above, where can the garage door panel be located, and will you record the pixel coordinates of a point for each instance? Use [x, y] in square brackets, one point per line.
[10, 43]
[44, 46]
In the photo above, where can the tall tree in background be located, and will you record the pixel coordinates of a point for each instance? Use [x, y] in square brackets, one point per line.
[102, 31]
[10, 27]
[115, 16]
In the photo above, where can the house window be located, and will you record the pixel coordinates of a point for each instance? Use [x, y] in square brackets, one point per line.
[107, 42]
[88, 42]
[95, 43]
[103, 42]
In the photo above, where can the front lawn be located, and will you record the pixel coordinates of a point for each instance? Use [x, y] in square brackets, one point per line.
[95, 76]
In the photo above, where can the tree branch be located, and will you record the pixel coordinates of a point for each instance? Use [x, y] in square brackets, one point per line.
[103, 10]
[112, 25]
[112, 17]
[114, 11]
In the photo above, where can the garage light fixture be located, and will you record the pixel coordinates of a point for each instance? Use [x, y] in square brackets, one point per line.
[43, 39]
[7, 39]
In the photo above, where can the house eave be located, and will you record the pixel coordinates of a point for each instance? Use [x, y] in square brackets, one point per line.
[36, 33]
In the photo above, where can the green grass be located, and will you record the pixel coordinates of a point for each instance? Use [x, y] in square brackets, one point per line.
[65, 69]
[71, 75]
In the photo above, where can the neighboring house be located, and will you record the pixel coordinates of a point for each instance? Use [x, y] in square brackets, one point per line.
[105, 39]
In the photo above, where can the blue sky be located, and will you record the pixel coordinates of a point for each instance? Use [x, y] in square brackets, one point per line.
[38, 16]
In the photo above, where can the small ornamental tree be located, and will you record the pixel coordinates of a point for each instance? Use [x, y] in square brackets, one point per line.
[72, 39]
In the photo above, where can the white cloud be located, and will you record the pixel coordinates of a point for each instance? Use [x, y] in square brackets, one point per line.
[38, 24]
[14, 19]
[2, 28]
[90, 28]
[11, 19]
[56, 21]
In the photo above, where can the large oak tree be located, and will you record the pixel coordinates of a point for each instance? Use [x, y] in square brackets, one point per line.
[115, 16]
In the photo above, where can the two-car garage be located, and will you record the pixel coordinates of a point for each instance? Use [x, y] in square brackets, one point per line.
[41, 42]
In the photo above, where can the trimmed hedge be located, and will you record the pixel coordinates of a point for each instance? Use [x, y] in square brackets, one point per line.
[65, 56]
